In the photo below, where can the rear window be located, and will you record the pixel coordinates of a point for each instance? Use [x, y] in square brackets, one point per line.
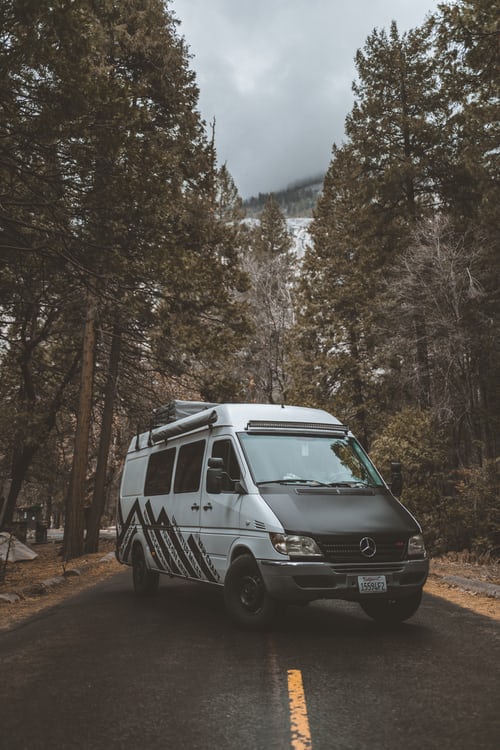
[133, 476]
[159, 473]
[188, 471]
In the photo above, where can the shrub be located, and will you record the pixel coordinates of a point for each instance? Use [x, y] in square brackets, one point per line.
[478, 496]
[413, 438]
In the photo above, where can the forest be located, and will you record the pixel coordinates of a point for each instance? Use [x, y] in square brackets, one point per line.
[129, 276]
[297, 200]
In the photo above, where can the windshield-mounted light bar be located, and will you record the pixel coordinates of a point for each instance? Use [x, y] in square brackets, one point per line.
[313, 428]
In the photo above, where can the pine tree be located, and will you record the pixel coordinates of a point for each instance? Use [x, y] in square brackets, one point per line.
[398, 123]
[466, 41]
[272, 238]
[334, 357]
[202, 322]
[379, 184]
[111, 181]
[269, 263]
[467, 45]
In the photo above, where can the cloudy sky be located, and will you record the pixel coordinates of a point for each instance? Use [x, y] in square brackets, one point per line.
[276, 75]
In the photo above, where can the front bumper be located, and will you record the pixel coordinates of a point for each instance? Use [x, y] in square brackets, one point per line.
[300, 582]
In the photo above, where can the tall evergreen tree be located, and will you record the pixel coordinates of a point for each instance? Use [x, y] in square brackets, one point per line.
[467, 35]
[421, 142]
[333, 353]
[466, 42]
[379, 184]
[397, 122]
[399, 127]
[201, 320]
[111, 177]
[270, 265]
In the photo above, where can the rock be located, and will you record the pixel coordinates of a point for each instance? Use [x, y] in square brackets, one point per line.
[473, 586]
[109, 557]
[10, 598]
[69, 572]
[51, 582]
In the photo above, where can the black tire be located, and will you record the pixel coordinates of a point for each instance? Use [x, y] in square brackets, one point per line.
[392, 611]
[145, 580]
[245, 595]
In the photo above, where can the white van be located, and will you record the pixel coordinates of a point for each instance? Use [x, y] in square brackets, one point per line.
[277, 504]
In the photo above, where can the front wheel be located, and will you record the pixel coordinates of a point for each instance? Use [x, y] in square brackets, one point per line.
[392, 611]
[145, 580]
[245, 595]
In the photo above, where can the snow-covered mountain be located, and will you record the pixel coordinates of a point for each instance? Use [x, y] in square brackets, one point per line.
[298, 199]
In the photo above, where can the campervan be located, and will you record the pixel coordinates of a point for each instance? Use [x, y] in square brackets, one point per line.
[276, 504]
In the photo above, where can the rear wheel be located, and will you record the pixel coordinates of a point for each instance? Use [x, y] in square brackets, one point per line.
[245, 595]
[391, 611]
[145, 580]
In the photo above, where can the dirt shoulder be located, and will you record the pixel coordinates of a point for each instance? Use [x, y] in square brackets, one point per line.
[31, 586]
[472, 584]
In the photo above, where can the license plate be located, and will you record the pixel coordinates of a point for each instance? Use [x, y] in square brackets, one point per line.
[372, 584]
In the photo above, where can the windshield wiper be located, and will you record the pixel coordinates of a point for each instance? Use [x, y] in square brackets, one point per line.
[298, 480]
[354, 483]
[317, 483]
[346, 484]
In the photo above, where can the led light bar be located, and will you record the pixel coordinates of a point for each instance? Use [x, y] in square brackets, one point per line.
[319, 428]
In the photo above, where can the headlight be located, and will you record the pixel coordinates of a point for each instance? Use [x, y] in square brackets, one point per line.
[416, 546]
[298, 546]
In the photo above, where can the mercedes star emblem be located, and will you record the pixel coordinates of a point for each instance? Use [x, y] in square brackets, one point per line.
[367, 546]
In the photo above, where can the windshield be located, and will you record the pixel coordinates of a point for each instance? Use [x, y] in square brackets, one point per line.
[308, 459]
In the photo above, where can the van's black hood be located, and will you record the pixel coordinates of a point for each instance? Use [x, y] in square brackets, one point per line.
[303, 510]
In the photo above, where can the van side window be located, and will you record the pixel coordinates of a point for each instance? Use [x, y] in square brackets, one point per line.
[159, 473]
[188, 471]
[225, 449]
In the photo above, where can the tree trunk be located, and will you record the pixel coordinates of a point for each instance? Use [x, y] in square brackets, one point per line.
[358, 391]
[98, 500]
[74, 526]
[25, 452]
[21, 462]
[423, 367]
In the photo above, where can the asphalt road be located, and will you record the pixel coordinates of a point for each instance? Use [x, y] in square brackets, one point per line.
[105, 670]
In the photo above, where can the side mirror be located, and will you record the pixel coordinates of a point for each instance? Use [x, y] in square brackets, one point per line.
[214, 475]
[396, 479]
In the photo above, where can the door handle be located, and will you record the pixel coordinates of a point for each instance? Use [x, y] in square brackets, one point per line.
[195, 506]
[208, 506]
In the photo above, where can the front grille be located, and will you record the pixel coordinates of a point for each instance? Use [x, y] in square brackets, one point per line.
[347, 550]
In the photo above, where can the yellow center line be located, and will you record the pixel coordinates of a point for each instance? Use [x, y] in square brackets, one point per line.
[299, 721]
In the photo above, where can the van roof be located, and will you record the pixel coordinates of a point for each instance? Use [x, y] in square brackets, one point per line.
[237, 416]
